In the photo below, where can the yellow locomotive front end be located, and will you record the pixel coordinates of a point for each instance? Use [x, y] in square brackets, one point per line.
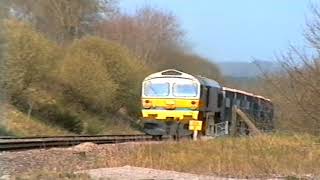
[170, 109]
[170, 99]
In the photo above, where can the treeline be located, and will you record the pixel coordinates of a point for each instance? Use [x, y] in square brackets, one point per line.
[295, 90]
[63, 59]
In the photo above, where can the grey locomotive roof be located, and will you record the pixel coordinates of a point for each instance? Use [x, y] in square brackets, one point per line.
[202, 80]
[179, 74]
[208, 82]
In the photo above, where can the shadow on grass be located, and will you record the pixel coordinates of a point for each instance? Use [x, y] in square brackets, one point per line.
[5, 132]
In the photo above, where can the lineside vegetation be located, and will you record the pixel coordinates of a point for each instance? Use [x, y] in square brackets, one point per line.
[261, 156]
[266, 156]
[78, 66]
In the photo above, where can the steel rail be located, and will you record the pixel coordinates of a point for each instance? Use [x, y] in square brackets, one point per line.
[63, 141]
[67, 136]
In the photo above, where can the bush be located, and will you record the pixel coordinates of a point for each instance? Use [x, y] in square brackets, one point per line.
[61, 117]
[89, 80]
[92, 74]
[31, 58]
[102, 74]
[69, 122]
[4, 132]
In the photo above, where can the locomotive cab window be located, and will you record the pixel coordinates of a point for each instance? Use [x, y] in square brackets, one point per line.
[185, 89]
[156, 89]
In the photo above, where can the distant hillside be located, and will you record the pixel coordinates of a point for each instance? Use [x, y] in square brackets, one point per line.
[246, 69]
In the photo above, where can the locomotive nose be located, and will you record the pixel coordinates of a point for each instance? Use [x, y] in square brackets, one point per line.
[170, 104]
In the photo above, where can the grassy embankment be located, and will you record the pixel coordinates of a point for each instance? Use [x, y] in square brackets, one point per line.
[240, 157]
[293, 156]
[18, 123]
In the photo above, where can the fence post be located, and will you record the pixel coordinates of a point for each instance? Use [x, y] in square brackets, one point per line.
[226, 126]
[195, 135]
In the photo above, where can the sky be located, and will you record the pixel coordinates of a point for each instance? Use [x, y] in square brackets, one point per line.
[234, 30]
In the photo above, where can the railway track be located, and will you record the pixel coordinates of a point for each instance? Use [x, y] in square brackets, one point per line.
[14, 143]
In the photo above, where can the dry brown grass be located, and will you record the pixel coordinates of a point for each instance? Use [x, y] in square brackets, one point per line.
[94, 124]
[259, 157]
[19, 124]
[241, 157]
[52, 176]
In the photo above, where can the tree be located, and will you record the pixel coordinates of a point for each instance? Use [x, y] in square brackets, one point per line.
[29, 64]
[298, 85]
[144, 33]
[90, 82]
[63, 20]
[105, 74]
[4, 9]
[156, 37]
[30, 58]
[174, 57]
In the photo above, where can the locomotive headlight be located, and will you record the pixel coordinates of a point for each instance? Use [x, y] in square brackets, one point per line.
[170, 106]
[147, 104]
[194, 105]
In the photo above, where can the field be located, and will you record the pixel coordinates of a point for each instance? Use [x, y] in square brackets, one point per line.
[263, 156]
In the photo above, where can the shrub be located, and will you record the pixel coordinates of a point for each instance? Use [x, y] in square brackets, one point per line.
[4, 131]
[31, 58]
[61, 117]
[102, 74]
[89, 80]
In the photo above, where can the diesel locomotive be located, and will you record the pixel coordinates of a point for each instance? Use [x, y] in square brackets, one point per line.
[171, 99]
